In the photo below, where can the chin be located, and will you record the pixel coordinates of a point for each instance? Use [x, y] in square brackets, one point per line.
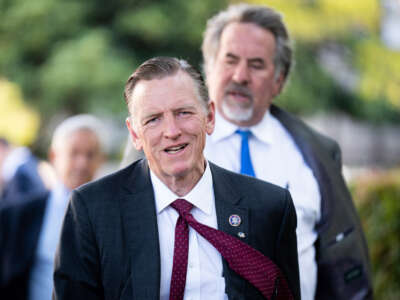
[237, 114]
[179, 172]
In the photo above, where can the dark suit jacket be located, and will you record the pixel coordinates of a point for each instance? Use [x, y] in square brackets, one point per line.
[25, 184]
[109, 245]
[342, 253]
[20, 225]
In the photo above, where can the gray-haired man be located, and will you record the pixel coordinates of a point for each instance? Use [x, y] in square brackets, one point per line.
[247, 60]
[136, 234]
[29, 231]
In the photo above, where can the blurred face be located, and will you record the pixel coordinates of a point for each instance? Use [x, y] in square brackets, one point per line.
[170, 125]
[77, 161]
[242, 80]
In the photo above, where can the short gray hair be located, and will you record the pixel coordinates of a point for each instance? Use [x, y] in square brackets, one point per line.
[74, 124]
[160, 67]
[262, 16]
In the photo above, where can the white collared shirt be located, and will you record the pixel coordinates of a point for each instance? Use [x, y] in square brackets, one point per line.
[276, 159]
[204, 274]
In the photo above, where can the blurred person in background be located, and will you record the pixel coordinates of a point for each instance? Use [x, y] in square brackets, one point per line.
[247, 60]
[29, 231]
[19, 175]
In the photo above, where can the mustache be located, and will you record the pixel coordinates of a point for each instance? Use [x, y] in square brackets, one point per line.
[234, 87]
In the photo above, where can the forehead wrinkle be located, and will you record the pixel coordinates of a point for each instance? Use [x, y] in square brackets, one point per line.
[150, 89]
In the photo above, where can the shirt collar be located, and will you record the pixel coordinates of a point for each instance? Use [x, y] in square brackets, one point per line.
[262, 131]
[60, 193]
[197, 196]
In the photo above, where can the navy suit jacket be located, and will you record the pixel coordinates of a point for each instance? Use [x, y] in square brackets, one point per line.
[109, 245]
[25, 183]
[344, 270]
[20, 226]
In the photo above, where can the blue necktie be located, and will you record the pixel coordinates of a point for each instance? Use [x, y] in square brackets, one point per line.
[246, 167]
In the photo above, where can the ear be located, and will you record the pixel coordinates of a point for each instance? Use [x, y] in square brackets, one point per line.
[278, 84]
[137, 143]
[210, 118]
[52, 156]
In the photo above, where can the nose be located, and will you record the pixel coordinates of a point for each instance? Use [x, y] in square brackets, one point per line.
[171, 127]
[241, 74]
[82, 161]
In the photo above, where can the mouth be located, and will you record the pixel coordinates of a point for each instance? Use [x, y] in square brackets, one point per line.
[238, 96]
[175, 149]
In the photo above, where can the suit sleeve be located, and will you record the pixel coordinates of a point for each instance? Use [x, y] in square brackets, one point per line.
[3, 230]
[287, 257]
[77, 265]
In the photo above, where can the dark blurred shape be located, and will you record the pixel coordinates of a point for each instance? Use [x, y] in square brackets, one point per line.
[19, 176]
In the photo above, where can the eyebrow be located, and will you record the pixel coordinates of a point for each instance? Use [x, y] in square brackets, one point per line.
[192, 107]
[231, 55]
[249, 60]
[156, 114]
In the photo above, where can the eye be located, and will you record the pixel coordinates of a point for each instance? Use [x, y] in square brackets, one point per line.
[230, 61]
[257, 65]
[184, 113]
[152, 120]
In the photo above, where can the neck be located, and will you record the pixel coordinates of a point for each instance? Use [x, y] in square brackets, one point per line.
[182, 184]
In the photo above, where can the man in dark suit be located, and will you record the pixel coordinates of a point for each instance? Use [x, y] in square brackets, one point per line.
[19, 176]
[29, 230]
[247, 59]
[125, 237]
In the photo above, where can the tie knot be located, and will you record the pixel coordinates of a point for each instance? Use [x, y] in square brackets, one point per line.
[182, 206]
[244, 133]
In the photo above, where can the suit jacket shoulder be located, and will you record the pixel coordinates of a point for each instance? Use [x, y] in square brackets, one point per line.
[341, 247]
[110, 229]
[302, 133]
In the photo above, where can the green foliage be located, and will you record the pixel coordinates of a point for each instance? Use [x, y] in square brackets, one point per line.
[71, 56]
[309, 88]
[378, 201]
[355, 26]
[75, 56]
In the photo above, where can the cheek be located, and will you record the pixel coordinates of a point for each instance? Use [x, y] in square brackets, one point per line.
[150, 139]
[218, 81]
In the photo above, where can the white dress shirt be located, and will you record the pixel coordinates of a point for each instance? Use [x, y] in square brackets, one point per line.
[204, 274]
[41, 278]
[276, 159]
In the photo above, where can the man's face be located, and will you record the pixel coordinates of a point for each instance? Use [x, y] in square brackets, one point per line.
[170, 125]
[77, 161]
[242, 80]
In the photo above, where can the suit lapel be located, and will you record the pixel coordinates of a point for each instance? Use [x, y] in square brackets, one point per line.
[227, 204]
[140, 227]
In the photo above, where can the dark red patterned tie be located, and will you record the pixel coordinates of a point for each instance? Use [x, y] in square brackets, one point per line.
[249, 263]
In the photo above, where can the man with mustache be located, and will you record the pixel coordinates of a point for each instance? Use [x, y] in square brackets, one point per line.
[247, 60]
